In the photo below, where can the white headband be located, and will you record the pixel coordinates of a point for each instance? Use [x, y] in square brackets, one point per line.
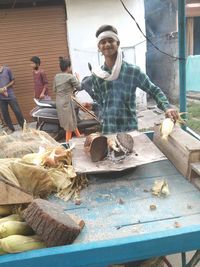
[107, 34]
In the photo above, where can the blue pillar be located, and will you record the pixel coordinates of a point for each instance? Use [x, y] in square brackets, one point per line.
[182, 54]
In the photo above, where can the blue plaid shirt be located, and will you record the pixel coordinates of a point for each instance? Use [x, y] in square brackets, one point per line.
[117, 99]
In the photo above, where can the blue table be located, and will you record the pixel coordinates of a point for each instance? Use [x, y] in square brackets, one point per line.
[120, 226]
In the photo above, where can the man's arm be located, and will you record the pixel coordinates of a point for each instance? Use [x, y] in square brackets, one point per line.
[45, 82]
[9, 84]
[146, 85]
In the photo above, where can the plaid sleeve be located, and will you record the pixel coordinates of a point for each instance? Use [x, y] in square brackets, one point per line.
[144, 83]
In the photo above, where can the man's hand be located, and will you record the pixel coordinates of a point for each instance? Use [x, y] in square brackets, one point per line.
[3, 91]
[41, 96]
[172, 113]
[87, 105]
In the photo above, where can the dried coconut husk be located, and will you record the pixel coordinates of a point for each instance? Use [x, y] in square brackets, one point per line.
[96, 146]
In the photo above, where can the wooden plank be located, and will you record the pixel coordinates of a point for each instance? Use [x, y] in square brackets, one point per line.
[194, 174]
[144, 152]
[181, 148]
[11, 194]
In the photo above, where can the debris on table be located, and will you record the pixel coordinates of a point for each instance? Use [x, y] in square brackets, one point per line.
[121, 201]
[160, 188]
[177, 224]
[153, 207]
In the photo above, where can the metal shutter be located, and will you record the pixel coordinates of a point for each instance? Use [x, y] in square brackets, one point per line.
[26, 32]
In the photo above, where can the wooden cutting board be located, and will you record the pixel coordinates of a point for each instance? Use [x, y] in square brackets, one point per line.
[145, 151]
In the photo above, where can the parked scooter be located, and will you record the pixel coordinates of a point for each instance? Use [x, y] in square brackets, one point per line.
[45, 114]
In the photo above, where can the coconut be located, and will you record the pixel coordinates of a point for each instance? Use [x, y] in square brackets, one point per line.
[125, 142]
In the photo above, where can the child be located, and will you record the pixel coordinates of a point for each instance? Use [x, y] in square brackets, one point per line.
[64, 85]
[40, 80]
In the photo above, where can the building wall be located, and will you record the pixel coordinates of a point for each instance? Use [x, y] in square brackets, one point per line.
[26, 32]
[161, 25]
[85, 16]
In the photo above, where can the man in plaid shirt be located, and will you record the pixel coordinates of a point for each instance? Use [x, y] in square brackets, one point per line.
[115, 84]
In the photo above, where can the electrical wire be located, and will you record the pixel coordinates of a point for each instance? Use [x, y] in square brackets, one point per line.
[157, 48]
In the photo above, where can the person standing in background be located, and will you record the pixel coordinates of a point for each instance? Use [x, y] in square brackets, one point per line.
[8, 98]
[41, 90]
[64, 85]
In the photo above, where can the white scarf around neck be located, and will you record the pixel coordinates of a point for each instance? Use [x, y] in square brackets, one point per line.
[118, 62]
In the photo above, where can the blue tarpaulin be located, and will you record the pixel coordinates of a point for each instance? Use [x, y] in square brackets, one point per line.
[193, 73]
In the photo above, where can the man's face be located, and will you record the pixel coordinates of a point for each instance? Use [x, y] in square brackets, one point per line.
[33, 65]
[108, 47]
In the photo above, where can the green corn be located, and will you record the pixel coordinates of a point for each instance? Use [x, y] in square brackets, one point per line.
[19, 243]
[15, 228]
[12, 217]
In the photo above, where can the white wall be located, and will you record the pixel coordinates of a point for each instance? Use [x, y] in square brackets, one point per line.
[85, 17]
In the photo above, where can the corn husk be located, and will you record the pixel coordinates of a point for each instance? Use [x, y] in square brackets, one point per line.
[6, 210]
[12, 217]
[160, 188]
[57, 156]
[33, 158]
[15, 228]
[166, 128]
[33, 179]
[20, 243]
[6, 172]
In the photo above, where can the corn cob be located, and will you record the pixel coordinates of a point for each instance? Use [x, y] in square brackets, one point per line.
[15, 228]
[166, 128]
[12, 217]
[20, 243]
[1, 249]
[5, 210]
